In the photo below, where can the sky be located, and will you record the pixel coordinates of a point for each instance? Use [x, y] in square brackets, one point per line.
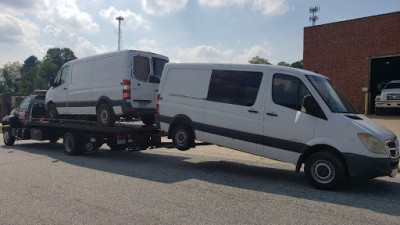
[217, 31]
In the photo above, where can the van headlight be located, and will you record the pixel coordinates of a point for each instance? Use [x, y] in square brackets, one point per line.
[372, 143]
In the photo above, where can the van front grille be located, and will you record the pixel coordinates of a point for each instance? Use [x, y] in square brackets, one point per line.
[393, 97]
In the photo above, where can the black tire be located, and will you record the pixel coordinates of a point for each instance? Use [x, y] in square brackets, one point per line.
[51, 111]
[325, 171]
[72, 144]
[8, 138]
[182, 137]
[147, 119]
[105, 115]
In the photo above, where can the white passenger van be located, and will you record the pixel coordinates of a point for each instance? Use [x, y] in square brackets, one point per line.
[112, 85]
[282, 113]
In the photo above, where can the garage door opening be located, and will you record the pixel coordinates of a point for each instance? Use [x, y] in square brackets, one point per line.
[383, 69]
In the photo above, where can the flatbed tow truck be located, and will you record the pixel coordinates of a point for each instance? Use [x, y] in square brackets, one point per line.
[29, 122]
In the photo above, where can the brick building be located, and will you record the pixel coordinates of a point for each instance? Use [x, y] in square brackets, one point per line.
[356, 54]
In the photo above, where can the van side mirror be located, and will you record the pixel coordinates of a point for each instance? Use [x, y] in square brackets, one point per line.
[310, 106]
[51, 82]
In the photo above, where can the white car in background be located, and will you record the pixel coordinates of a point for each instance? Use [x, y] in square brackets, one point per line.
[389, 98]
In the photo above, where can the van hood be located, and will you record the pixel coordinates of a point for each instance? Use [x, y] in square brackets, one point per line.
[391, 91]
[366, 125]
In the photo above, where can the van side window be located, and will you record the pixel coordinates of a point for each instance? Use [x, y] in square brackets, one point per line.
[288, 91]
[234, 87]
[141, 67]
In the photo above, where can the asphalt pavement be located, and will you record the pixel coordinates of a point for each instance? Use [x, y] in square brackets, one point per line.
[40, 184]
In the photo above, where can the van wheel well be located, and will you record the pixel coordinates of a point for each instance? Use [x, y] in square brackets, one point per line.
[177, 122]
[101, 102]
[322, 148]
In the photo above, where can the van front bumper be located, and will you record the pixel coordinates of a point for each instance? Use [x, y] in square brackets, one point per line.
[387, 104]
[367, 167]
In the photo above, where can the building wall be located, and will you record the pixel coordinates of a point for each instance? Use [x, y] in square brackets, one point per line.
[342, 51]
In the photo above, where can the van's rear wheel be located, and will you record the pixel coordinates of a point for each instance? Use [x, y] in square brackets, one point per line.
[325, 171]
[183, 137]
[105, 115]
[51, 112]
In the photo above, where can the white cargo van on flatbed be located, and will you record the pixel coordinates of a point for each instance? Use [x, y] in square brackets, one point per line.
[282, 113]
[109, 86]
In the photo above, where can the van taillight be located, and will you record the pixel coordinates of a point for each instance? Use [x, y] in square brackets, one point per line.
[126, 90]
[158, 105]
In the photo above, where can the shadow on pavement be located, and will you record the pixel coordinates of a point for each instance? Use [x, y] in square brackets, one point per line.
[166, 168]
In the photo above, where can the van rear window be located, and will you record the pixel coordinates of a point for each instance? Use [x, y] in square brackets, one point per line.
[141, 67]
[234, 87]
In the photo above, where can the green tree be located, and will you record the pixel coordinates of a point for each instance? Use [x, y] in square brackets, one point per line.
[29, 75]
[59, 56]
[298, 64]
[48, 69]
[8, 77]
[259, 60]
[283, 64]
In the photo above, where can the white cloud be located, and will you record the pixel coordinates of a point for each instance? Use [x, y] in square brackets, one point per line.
[131, 20]
[271, 7]
[221, 3]
[266, 7]
[211, 54]
[257, 50]
[66, 15]
[203, 54]
[83, 47]
[16, 30]
[50, 29]
[162, 7]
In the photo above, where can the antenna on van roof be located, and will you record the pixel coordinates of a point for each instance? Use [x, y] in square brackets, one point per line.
[120, 19]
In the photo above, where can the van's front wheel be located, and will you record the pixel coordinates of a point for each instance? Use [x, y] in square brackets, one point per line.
[183, 137]
[51, 111]
[325, 171]
[105, 115]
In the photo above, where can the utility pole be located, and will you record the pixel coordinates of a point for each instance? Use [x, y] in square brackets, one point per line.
[120, 19]
[313, 17]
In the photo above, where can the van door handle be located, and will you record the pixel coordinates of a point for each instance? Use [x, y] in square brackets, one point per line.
[252, 111]
[65, 88]
[272, 114]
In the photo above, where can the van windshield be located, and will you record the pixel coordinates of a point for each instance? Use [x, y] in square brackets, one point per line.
[333, 97]
[392, 86]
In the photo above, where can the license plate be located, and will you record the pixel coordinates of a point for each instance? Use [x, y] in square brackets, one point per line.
[121, 141]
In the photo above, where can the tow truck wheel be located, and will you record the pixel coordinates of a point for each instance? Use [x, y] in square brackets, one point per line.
[72, 144]
[8, 138]
[325, 171]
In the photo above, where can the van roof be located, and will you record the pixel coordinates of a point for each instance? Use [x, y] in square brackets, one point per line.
[242, 66]
[118, 52]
